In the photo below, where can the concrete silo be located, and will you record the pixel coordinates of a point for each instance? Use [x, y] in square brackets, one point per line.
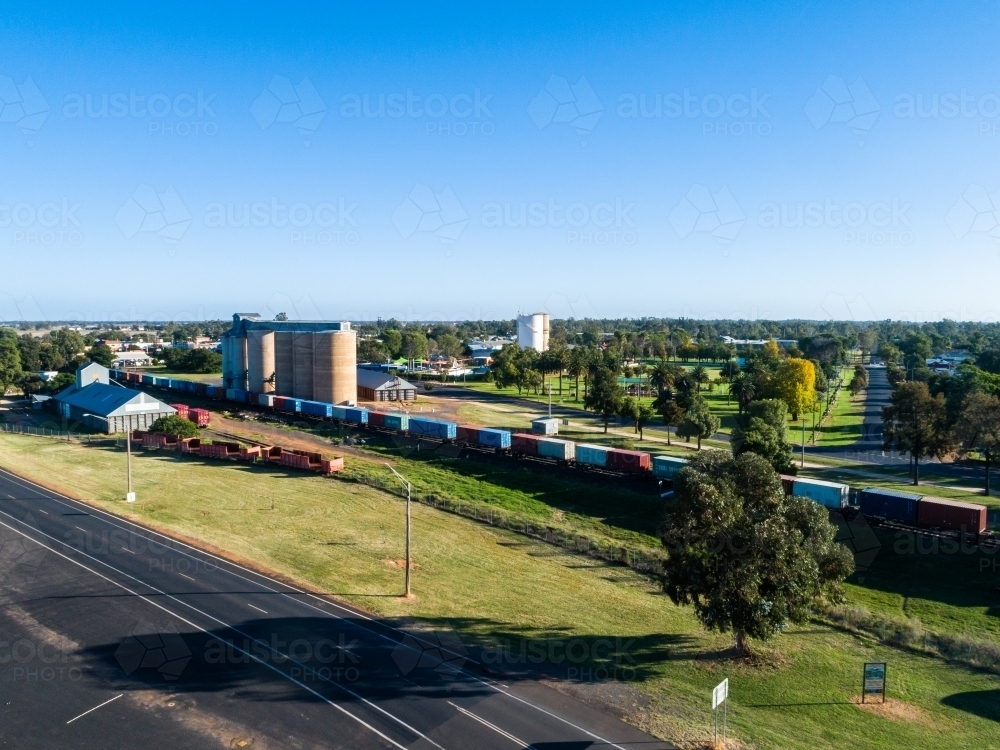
[335, 367]
[261, 360]
[284, 363]
[302, 364]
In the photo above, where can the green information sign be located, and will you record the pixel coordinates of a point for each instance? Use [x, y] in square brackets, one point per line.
[874, 680]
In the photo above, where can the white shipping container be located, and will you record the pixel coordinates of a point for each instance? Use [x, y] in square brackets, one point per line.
[547, 426]
[563, 450]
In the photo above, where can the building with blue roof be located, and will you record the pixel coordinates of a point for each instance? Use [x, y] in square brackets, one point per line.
[99, 403]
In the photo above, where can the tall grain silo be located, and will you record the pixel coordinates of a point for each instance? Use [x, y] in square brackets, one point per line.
[234, 369]
[261, 360]
[284, 363]
[335, 361]
[302, 365]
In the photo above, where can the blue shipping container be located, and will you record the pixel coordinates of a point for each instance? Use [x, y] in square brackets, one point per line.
[147, 380]
[356, 416]
[338, 412]
[317, 409]
[494, 438]
[433, 428]
[829, 494]
[399, 422]
[899, 506]
[591, 455]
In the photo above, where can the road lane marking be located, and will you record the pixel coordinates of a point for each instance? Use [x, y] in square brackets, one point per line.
[263, 662]
[494, 727]
[188, 577]
[289, 590]
[38, 509]
[95, 708]
[257, 608]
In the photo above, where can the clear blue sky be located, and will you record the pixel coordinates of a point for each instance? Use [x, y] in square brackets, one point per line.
[442, 161]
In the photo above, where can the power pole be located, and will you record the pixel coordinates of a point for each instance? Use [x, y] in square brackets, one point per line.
[803, 440]
[130, 496]
[407, 484]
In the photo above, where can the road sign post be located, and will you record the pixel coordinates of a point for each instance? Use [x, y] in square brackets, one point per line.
[720, 694]
[874, 679]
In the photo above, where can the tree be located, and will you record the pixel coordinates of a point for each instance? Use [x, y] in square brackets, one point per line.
[449, 344]
[978, 429]
[662, 376]
[281, 317]
[669, 410]
[174, 425]
[414, 344]
[60, 382]
[102, 355]
[742, 386]
[10, 360]
[860, 380]
[578, 362]
[372, 350]
[504, 367]
[605, 394]
[746, 557]
[698, 421]
[762, 429]
[642, 415]
[393, 341]
[889, 353]
[700, 376]
[628, 408]
[795, 383]
[916, 422]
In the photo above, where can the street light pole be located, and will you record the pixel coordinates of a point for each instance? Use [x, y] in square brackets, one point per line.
[401, 479]
[803, 440]
[130, 496]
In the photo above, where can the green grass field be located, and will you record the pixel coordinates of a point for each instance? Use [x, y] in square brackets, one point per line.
[843, 425]
[489, 584]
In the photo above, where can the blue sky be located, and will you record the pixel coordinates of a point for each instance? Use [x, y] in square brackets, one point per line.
[428, 161]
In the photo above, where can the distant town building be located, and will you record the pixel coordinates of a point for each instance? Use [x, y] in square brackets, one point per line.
[756, 343]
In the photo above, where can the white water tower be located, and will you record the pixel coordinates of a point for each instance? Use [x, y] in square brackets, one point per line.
[533, 331]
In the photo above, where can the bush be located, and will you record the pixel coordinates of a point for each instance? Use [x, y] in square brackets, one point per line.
[174, 425]
[192, 360]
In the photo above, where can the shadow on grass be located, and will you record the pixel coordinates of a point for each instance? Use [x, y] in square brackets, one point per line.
[982, 703]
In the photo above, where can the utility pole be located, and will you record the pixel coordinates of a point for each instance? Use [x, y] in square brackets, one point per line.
[548, 388]
[407, 484]
[130, 496]
[803, 440]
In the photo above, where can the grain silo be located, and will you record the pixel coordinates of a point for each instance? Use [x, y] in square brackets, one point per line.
[261, 360]
[335, 367]
[284, 363]
[311, 360]
[302, 364]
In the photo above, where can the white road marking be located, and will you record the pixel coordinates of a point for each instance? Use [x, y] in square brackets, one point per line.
[235, 630]
[494, 727]
[38, 509]
[354, 615]
[257, 608]
[126, 549]
[188, 577]
[81, 529]
[95, 708]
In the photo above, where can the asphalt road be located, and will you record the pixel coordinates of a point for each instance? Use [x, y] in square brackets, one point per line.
[112, 636]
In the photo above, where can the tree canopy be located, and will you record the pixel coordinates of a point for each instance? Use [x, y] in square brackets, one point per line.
[747, 558]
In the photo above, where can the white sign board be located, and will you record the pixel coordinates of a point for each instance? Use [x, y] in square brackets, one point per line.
[720, 693]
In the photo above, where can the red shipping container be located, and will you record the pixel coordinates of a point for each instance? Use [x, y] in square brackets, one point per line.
[787, 483]
[933, 512]
[250, 454]
[182, 410]
[200, 417]
[522, 442]
[189, 445]
[632, 462]
[295, 461]
[466, 433]
[332, 465]
[376, 419]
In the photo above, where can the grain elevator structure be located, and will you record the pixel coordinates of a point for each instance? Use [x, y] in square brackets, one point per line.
[311, 360]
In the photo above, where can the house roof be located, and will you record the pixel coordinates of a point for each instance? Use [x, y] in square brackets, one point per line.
[111, 400]
[379, 381]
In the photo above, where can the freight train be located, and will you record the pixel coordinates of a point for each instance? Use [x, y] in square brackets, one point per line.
[877, 504]
[541, 447]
